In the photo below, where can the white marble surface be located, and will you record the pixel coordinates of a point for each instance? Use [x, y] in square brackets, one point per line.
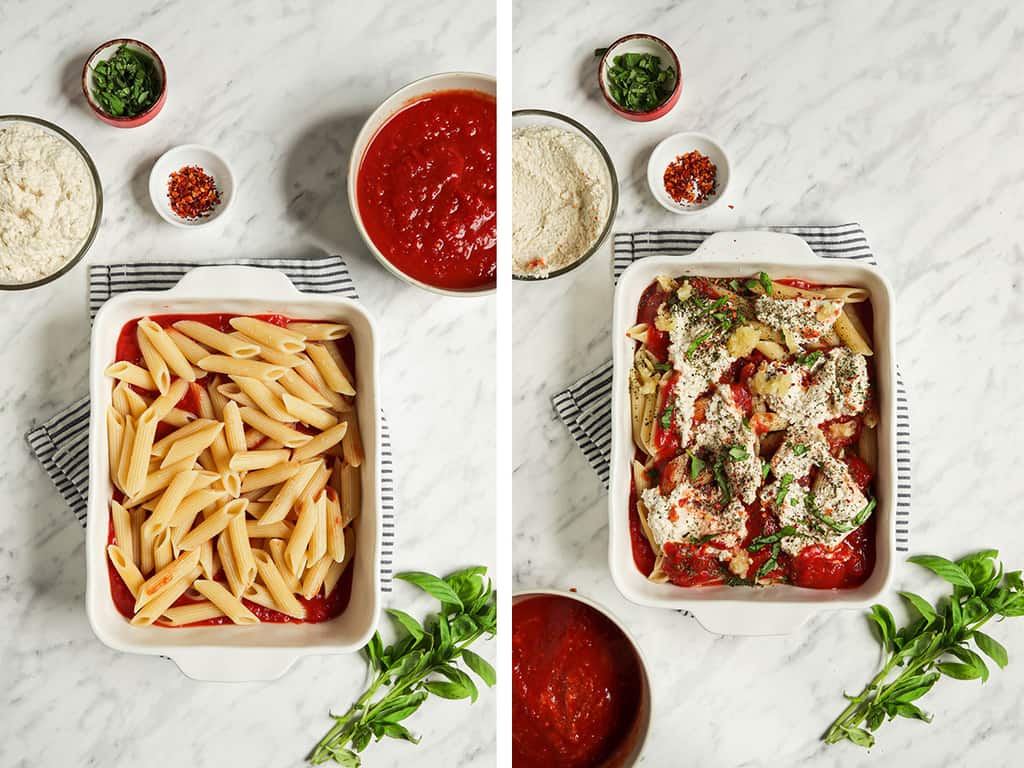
[281, 89]
[905, 117]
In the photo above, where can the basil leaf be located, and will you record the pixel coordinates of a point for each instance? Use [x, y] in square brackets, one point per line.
[432, 585]
[799, 449]
[407, 622]
[663, 367]
[882, 618]
[696, 467]
[971, 659]
[766, 283]
[958, 671]
[860, 737]
[921, 605]
[666, 417]
[810, 358]
[765, 468]
[447, 690]
[991, 648]
[784, 484]
[396, 731]
[481, 666]
[913, 712]
[944, 568]
[738, 453]
[723, 482]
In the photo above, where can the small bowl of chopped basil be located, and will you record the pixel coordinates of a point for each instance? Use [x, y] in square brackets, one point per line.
[125, 83]
[640, 77]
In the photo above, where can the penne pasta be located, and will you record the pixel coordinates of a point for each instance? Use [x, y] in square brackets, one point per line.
[265, 478]
[167, 349]
[229, 604]
[288, 437]
[130, 373]
[264, 399]
[260, 595]
[182, 615]
[271, 355]
[852, 332]
[329, 369]
[232, 391]
[285, 601]
[245, 566]
[208, 562]
[302, 389]
[318, 541]
[166, 576]
[217, 340]
[295, 553]
[352, 442]
[163, 552]
[276, 547]
[115, 437]
[256, 530]
[309, 372]
[161, 446]
[289, 493]
[169, 399]
[227, 563]
[234, 429]
[234, 366]
[244, 461]
[350, 498]
[155, 608]
[308, 413]
[177, 417]
[169, 503]
[268, 334]
[185, 512]
[320, 443]
[190, 348]
[320, 331]
[156, 365]
[142, 446]
[213, 525]
[190, 446]
[335, 527]
[314, 577]
[125, 568]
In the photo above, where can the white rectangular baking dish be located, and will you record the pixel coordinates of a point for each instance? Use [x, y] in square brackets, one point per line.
[750, 610]
[236, 653]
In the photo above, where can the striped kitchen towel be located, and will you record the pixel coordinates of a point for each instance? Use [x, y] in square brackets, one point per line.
[62, 443]
[585, 406]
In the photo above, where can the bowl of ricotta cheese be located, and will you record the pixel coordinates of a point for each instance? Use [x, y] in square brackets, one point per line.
[564, 194]
[51, 202]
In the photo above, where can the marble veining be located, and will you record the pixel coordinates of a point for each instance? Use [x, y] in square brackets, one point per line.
[906, 118]
[281, 90]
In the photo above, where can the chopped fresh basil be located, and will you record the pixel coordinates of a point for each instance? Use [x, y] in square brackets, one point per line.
[783, 489]
[811, 507]
[696, 467]
[765, 468]
[666, 417]
[738, 453]
[810, 358]
[760, 542]
[864, 514]
[734, 284]
[638, 82]
[662, 367]
[723, 481]
[799, 449]
[696, 343]
[766, 283]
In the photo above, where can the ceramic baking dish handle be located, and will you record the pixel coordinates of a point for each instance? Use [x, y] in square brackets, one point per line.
[764, 247]
[235, 282]
[237, 665]
[752, 618]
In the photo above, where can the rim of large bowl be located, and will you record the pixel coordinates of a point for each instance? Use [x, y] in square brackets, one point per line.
[97, 187]
[355, 163]
[613, 208]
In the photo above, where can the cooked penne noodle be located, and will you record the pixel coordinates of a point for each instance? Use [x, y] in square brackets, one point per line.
[320, 443]
[295, 553]
[256, 530]
[852, 332]
[156, 365]
[136, 403]
[285, 601]
[163, 552]
[271, 355]
[232, 391]
[288, 437]
[308, 413]
[177, 417]
[314, 577]
[163, 404]
[208, 562]
[245, 566]
[161, 446]
[190, 446]
[167, 349]
[190, 348]
[227, 563]
[265, 400]
[352, 442]
[257, 508]
[276, 547]
[169, 503]
[311, 375]
[138, 516]
[268, 334]
[155, 608]
[125, 459]
[320, 331]
[771, 350]
[302, 389]
[845, 294]
[260, 595]
[182, 615]
[335, 527]
[289, 493]
[867, 447]
[234, 429]
[186, 511]
[214, 339]
[213, 524]
[115, 436]
[142, 446]
[130, 373]
[329, 369]
[333, 576]
[125, 568]
[166, 576]
[317, 547]
[234, 366]
[264, 478]
[226, 602]
[351, 497]
[119, 400]
[221, 454]
[248, 460]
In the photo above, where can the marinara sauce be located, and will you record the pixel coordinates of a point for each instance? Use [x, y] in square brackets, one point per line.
[426, 190]
[576, 685]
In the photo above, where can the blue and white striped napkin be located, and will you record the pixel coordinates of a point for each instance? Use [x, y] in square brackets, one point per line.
[62, 443]
[585, 407]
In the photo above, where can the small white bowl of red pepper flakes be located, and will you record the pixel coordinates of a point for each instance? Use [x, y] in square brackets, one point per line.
[688, 173]
[191, 186]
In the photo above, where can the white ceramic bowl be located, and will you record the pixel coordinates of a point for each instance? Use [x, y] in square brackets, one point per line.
[543, 117]
[744, 610]
[630, 752]
[680, 144]
[174, 160]
[261, 651]
[445, 81]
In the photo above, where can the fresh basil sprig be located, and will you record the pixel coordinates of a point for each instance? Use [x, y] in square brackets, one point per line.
[935, 645]
[424, 661]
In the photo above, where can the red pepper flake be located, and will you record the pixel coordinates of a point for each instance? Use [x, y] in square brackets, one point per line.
[690, 178]
[192, 192]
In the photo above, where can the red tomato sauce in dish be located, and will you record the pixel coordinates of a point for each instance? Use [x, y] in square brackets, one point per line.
[846, 566]
[426, 190]
[319, 608]
[576, 685]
